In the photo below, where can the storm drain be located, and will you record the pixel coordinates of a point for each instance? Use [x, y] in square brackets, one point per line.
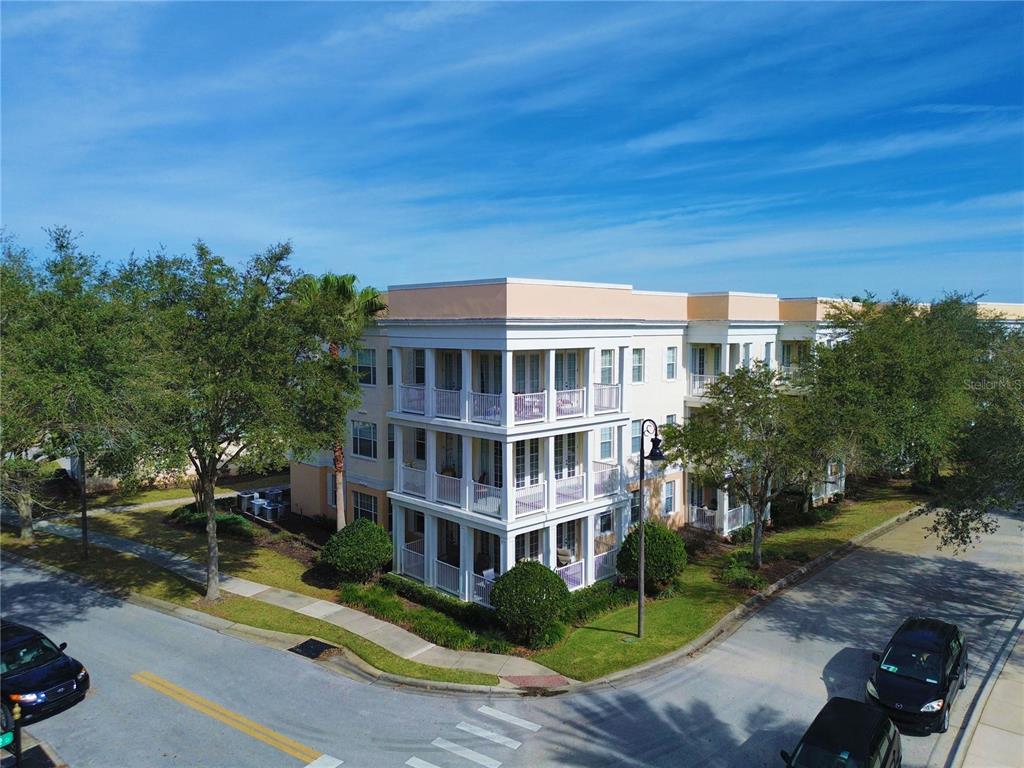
[312, 649]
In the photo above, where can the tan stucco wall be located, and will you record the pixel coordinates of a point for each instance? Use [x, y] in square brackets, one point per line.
[382, 503]
[309, 490]
[486, 300]
[1008, 311]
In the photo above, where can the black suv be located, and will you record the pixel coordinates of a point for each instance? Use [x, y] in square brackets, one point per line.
[848, 734]
[919, 674]
[37, 675]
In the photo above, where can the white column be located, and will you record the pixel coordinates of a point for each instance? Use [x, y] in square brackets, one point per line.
[396, 365]
[399, 455]
[398, 533]
[508, 482]
[624, 438]
[588, 380]
[429, 549]
[549, 470]
[550, 385]
[431, 485]
[725, 358]
[508, 398]
[589, 529]
[723, 507]
[551, 546]
[465, 561]
[430, 374]
[625, 371]
[467, 382]
[508, 552]
[467, 472]
[588, 464]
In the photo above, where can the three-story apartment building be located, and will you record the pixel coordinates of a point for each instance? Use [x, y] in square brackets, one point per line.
[501, 420]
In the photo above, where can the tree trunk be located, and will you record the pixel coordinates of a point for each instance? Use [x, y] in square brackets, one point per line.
[339, 485]
[25, 515]
[204, 488]
[758, 535]
[83, 505]
[808, 493]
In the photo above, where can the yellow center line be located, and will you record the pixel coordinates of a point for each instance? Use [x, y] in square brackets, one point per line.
[226, 716]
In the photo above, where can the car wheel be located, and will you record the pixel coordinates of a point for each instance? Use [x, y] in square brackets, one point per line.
[945, 721]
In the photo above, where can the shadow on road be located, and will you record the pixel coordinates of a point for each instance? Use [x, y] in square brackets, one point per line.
[41, 594]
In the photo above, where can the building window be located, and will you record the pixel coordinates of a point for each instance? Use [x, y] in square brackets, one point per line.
[768, 354]
[634, 507]
[418, 522]
[528, 546]
[364, 439]
[419, 366]
[364, 505]
[670, 419]
[670, 497]
[606, 442]
[421, 444]
[604, 523]
[671, 357]
[366, 366]
[638, 366]
[391, 441]
[332, 489]
[607, 366]
[391, 367]
[637, 436]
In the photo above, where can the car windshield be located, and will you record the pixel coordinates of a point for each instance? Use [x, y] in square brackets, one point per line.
[810, 756]
[27, 653]
[914, 663]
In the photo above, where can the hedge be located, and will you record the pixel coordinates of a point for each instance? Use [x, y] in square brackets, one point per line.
[470, 614]
[590, 602]
[530, 601]
[357, 551]
[228, 523]
[664, 556]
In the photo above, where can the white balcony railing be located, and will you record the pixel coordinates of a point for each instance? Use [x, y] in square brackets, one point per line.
[448, 577]
[411, 398]
[485, 407]
[702, 517]
[737, 518]
[531, 498]
[606, 479]
[787, 372]
[481, 588]
[414, 481]
[448, 403]
[604, 564]
[570, 402]
[569, 490]
[486, 499]
[574, 574]
[699, 383]
[530, 406]
[448, 489]
[412, 563]
[606, 397]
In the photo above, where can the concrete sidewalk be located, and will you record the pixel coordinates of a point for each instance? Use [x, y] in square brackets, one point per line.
[395, 639]
[998, 741]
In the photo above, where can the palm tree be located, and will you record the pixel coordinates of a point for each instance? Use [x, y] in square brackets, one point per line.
[339, 312]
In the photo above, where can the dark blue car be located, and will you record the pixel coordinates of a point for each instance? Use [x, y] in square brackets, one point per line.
[37, 675]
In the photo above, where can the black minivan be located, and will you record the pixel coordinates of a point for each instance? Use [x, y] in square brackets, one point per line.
[848, 734]
[37, 675]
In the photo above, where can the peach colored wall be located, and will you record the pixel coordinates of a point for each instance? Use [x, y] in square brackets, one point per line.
[449, 302]
[714, 307]
[589, 302]
[1009, 311]
[753, 307]
[382, 503]
[309, 490]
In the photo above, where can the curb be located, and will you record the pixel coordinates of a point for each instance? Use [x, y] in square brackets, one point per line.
[964, 737]
[733, 620]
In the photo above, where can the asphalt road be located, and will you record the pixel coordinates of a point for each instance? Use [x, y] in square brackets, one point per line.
[170, 693]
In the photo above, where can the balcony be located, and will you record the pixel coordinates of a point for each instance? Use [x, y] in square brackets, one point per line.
[531, 498]
[574, 574]
[699, 383]
[569, 490]
[605, 564]
[486, 499]
[606, 398]
[412, 398]
[570, 402]
[448, 490]
[448, 577]
[413, 481]
[606, 479]
[448, 403]
[485, 407]
[530, 406]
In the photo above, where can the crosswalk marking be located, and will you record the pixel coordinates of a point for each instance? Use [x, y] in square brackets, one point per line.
[467, 753]
[483, 733]
[499, 715]
[415, 762]
[325, 761]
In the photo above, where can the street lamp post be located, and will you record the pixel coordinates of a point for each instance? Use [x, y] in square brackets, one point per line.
[656, 457]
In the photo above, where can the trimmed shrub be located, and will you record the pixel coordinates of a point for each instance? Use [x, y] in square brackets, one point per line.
[228, 523]
[738, 575]
[529, 600]
[587, 603]
[358, 550]
[469, 614]
[664, 556]
[743, 535]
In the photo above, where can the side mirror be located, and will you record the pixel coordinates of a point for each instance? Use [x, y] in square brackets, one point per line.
[785, 756]
[62, 646]
[876, 656]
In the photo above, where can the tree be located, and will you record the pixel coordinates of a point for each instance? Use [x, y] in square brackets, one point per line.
[337, 312]
[743, 436]
[251, 379]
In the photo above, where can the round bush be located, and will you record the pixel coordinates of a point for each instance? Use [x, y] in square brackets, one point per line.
[664, 556]
[529, 601]
[358, 550]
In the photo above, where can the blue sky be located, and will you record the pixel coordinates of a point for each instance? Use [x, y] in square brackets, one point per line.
[787, 148]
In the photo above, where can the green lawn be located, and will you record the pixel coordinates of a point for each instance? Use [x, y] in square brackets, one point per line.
[608, 643]
[126, 574]
[184, 491]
